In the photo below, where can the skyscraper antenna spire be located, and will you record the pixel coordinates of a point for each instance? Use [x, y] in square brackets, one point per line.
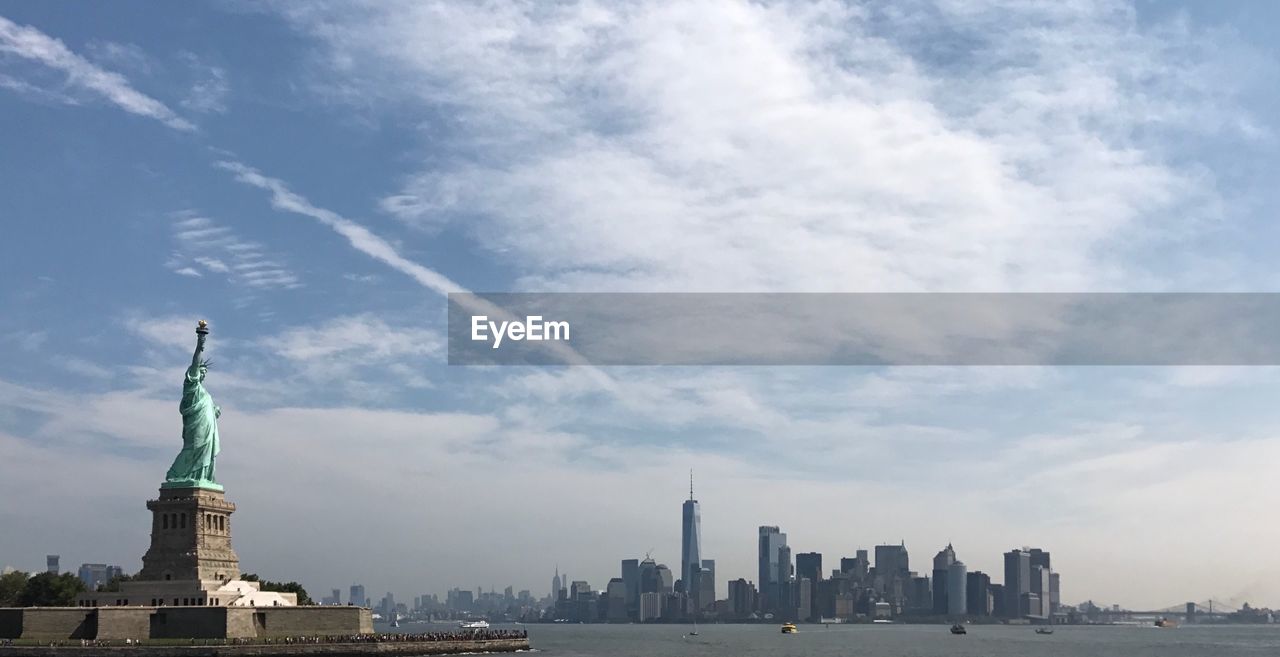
[690, 483]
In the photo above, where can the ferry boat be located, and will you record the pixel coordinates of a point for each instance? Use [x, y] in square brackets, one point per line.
[958, 629]
[1165, 623]
[474, 625]
[789, 628]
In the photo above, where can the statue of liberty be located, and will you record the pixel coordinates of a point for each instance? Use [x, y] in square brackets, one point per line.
[193, 467]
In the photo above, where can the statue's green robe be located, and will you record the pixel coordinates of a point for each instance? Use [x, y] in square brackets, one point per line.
[200, 445]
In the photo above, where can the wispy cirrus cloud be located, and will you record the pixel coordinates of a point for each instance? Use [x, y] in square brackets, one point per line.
[31, 44]
[206, 247]
[360, 238]
[35, 92]
[208, 93]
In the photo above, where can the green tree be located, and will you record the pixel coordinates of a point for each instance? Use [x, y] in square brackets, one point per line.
[113, 585]
[11, 587]
[289, 587]
[50, 590]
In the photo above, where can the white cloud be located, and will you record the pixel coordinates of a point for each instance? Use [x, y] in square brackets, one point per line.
[344, 348]
[363, 333]
[205, 246]
[32, 44]
[723, 145]
[208, 94]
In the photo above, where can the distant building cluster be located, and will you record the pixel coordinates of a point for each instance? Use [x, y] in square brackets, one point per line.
[95, 575]
[798, 589]
[866, 586]
[869, 585]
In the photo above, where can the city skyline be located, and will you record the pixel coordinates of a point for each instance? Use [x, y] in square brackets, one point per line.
[775, 565]
[1024, 569]
[317, 193]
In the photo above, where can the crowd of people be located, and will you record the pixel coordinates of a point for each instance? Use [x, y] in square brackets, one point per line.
[458, 635]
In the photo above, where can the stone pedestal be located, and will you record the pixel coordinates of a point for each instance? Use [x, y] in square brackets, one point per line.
[190, 537]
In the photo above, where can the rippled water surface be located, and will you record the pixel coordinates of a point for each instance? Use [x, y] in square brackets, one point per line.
[903, 641]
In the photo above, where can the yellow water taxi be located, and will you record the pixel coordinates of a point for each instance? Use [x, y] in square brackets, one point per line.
[789, 628]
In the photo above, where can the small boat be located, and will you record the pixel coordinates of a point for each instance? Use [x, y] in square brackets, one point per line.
[474, 625]
[1043, 630]
[1165, 623]
[958, 629]
[695, 628]
[789, 628]
[395, 619]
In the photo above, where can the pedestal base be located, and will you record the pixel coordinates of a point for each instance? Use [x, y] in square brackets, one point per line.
[190, 537]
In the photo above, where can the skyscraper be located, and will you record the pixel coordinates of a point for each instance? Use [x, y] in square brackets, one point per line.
[665, 580]
[707, 585]
[997, 597]
[1040, 588]
[892, 560]
[804, 598]
[957, 586]
[648, 575]
[809, 566]
[51, 564]
[616, 606]
[941, 562]
[690, 541]
[631, 580]
[1039, 558]
[771, 543]
[893, 572]
[555, 585]
[786, 583]
[1017, 581]
[977, 589]
[356, 597]
[742, 598]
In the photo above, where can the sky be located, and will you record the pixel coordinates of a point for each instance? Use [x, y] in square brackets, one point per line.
[313, 179]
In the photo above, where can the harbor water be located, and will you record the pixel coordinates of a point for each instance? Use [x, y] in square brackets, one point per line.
[572, 640]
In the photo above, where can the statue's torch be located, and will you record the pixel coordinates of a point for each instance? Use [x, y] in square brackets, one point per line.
[202, 328]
